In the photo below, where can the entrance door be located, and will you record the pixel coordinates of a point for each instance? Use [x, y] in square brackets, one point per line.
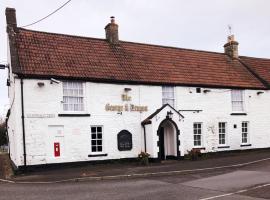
[168, 141]
[161, 144]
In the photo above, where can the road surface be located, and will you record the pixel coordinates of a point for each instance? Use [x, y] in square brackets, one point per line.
[246, 183]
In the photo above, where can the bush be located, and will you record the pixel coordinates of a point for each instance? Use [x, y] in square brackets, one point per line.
[3, 137]
[194, 154]
[144, 158]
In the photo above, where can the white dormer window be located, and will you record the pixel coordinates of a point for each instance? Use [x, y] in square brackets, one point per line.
[168, 96]
[73, 96]
[237, 100]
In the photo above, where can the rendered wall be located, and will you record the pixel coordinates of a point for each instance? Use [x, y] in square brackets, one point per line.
[46, 101]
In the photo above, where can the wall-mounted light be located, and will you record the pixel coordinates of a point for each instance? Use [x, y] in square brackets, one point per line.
[206, 91]
[127, 89]
[40, 84]
[260, 92]
[3, 66]
[55, 81]
[169, 115]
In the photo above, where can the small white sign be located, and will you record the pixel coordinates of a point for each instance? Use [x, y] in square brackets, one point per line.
[40, 116]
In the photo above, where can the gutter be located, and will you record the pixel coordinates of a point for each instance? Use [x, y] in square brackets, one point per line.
[23, 125]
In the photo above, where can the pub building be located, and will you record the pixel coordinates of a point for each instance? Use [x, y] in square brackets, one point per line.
[79, 99]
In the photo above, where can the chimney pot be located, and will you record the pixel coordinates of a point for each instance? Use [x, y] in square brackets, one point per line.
[111, 31]
[112, 19]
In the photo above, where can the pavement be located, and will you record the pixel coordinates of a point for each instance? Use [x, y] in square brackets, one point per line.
[88, 171]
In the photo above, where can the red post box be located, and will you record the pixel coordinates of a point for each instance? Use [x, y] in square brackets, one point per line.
[56, 149]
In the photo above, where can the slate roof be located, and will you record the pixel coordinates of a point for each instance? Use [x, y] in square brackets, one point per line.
[51, 55]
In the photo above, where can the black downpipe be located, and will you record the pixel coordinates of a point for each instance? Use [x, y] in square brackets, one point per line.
[23, 126]
[144, 135]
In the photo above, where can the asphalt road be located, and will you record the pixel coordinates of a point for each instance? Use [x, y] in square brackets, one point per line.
[246, 183]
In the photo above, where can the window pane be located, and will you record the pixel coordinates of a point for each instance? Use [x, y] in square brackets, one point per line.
[99, 148]
[93, 129]
[94, 149]
[99, 129]
[99, 142]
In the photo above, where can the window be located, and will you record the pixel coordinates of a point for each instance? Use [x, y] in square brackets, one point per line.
[237, 100]
[73, 99]
[197, 128]
[96, 138]
[168, 95]
[124, 138]
[245, 137]
[222, 133]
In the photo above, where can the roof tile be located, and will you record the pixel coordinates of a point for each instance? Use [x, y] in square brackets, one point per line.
[57, 55]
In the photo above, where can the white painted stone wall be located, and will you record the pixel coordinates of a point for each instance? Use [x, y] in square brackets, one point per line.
[215, 106]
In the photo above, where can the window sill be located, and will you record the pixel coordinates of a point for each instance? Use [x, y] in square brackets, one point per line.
[245, 145]
[98, 155]
[74, 115]
[238, 113]
[199, 148]
[223, 147]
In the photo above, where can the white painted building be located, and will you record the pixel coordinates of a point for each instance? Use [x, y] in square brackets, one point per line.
[75, 99]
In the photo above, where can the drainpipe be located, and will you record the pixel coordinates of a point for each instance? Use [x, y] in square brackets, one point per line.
[144, 135]
[23, 126]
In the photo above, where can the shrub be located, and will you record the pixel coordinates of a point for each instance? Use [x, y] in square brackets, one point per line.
[3, 138]
[144, 158]
[194, 154]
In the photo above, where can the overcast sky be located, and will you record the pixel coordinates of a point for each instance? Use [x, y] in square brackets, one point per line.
[193, 24]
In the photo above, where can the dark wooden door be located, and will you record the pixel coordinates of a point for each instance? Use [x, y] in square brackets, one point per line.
[161, 144]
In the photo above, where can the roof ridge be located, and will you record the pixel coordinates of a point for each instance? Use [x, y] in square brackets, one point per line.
[254, 58]
[60, 34]
[138, 43]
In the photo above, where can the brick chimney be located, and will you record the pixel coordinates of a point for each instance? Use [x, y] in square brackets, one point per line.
[231, 47]
[11, 18]
[11, 32]
[112, 32]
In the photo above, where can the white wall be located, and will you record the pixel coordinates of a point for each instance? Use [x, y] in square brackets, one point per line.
[215, 106]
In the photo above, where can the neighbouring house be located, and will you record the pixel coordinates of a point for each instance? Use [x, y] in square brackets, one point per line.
[75, 99]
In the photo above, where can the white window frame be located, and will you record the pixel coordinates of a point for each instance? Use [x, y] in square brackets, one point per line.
[83, 96]
[245, 130]
[96, 139]
[166, 98]
[235, 101]
[195, 133]
[222, 131]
